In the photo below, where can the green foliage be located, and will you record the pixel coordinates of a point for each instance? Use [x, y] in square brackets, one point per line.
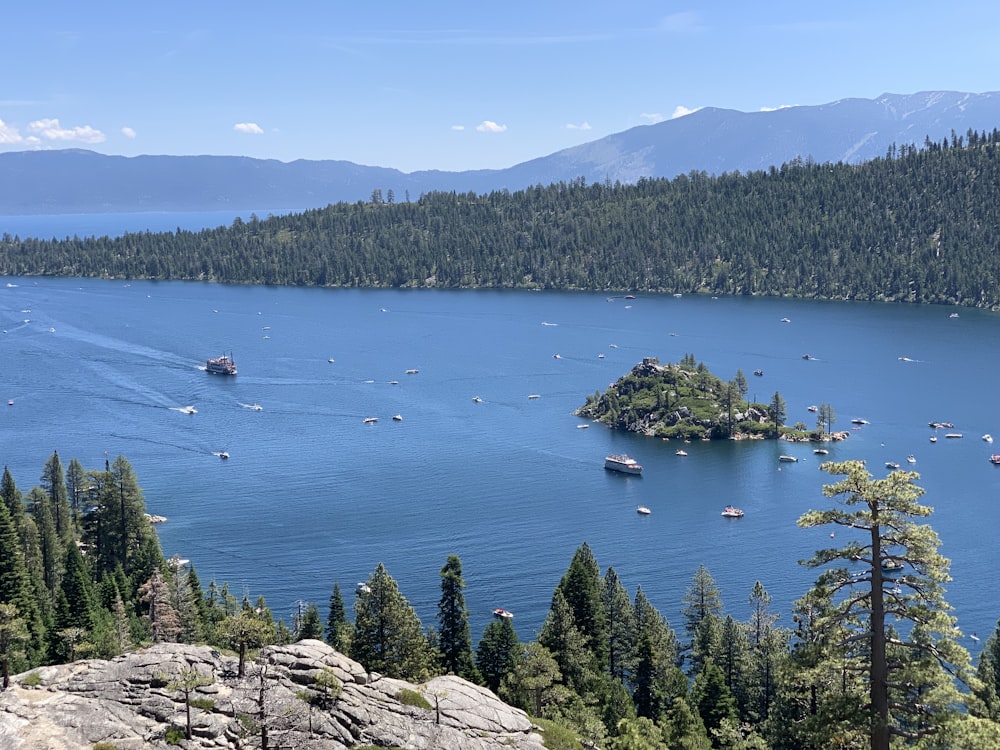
[388, 636]
[497, 652]
[32, 679]
[205, 704]
[558, 737]
[103, 746]
[454, 637]
[413, 698]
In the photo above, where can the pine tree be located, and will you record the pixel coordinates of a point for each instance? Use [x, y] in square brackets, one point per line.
[244, 630]
[13, 633]
[657, 680]
[714, 701]
[908, 669]
[497, 652]
[311, 626]
[567, 644]
[338, 629]
[582, 588]
[702, 614]
[53, 481]
[388, 637]
[619, 615]
[454, 636]
[164, 622]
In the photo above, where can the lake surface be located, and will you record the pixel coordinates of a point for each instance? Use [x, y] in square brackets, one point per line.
[312, 495]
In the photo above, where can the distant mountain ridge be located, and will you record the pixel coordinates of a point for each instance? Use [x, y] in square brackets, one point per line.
[710, 140]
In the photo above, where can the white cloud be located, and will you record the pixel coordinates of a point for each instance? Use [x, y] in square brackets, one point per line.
[488, 126]
[680, 111]
[581, 126]
[458, 127]
[652, 117]
[50, 129]
[248, 127]
[128, 132]
[9, 134]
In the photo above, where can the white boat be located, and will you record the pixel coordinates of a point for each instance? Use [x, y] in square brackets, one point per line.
[682, 453]
[820, 451]
[370, 420]
[622, 463]
[413, 371]
[10, 402]
[224, 455]
[256, 407]
[397, 418]
[954, 435]
[731, 512]
[362, 588]
[859, 421]
[503, 614]
[812, 408]
[477, 400]
[582, 426]
[988, 437]
[188, 410]
[642, 510]
[788, 459]
[891, 465]
[995, 459]
[533, 396]
[911, 459]
[933, 438]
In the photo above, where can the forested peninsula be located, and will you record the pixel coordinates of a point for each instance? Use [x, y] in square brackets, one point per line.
[919, 225]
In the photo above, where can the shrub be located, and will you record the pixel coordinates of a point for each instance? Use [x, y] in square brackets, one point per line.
[103, 746]
[412, 698]
[558, 737]
[32, 679]
[205, 704]
[174, 736]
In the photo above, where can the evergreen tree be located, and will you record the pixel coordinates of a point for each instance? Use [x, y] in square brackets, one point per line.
[657, 680]
[582, 588]
[454, 636]
[702, 613]
[15, 583]
[911, 690]
[53, 481]
[497, 652]
[76, 490]
[777, 412]
[164, 622]
[13, 633]
[51, 552]
[712, 698]
[388, 636]
[338, 629]
[244, 630]
[619, 615]
[533, 683]
[567, 644]
[11, 496]
[683, 728]
[311, 625]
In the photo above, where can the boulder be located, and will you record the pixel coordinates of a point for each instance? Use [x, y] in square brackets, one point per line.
[132, 702]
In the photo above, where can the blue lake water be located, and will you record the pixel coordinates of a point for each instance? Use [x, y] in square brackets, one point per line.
[312, 495]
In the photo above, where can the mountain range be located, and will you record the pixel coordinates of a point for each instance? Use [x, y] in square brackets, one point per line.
[710, 140]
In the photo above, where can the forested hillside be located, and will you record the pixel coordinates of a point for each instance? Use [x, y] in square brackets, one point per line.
[871, 658]
[920, 225]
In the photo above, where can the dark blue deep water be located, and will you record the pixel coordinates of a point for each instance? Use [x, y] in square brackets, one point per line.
[312, 495]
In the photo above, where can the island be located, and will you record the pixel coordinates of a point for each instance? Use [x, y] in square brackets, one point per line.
[686, 401]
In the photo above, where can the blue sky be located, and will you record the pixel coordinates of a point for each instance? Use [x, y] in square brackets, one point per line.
[452, 85]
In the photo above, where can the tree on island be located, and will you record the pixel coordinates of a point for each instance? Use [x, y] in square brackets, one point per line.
[890, 631]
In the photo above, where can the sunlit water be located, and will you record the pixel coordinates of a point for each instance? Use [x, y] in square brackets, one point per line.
[312, 495]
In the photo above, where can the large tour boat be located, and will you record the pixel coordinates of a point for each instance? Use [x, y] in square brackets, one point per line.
[623, 464]
[224, 365]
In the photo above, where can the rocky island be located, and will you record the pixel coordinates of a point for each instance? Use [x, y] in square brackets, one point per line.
[686, 401]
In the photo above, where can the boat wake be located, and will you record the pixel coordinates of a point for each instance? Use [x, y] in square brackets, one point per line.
[184, 409]
[252, 407]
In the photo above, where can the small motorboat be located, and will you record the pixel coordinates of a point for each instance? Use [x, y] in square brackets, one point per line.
[988, 437]
[582, 426]
[397, 418]
[642, 510]
[256, 407]
[758, 373]
[788, 459]
[954, 435]
[995, 459]
[911, 459]
[503, 614]
[412, 371]
[682, 453]
[533, 396]
[477, 400]
[362, 588]
[891, 465]
[820, 451]
[370, 420]
[731, 512]
[812, 408]
[224, 455]
[933, 438]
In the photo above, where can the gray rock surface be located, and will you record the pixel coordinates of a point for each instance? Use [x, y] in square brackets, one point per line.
[132, 701]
